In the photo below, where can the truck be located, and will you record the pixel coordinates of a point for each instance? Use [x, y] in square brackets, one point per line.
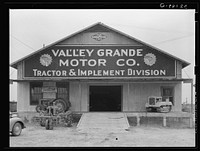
[158, 104]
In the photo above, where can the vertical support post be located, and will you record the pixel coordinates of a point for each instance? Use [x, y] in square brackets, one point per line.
[192, 96]
[164, 121]
[138, 120]
[191, 122]
[191, 118]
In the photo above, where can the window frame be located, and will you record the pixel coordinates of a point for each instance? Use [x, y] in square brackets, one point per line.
[34, 84]
[62, 85]
[173, 92]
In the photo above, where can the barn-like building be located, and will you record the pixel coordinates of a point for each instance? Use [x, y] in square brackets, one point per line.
[99, 69]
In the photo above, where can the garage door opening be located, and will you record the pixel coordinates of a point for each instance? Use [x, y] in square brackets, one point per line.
[105, 98]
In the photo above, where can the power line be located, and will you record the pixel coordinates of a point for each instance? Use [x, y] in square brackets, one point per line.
[22, 42]
[160, 30]
[148, 28]
[174, 39]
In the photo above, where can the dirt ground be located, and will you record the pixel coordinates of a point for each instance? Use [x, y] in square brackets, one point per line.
[143, 136]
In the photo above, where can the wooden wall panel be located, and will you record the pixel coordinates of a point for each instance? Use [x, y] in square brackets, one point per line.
[23, 97]
[75, 95]
[178, 97]
[111, 38]
[20, 71]
[125, 93]
[139, 93]
[178, 70]
[84, 97]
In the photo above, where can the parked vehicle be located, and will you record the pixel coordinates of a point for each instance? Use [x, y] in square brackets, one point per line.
[16, 124]
[158, 104]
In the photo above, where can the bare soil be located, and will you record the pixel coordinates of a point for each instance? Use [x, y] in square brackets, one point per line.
[143, 136]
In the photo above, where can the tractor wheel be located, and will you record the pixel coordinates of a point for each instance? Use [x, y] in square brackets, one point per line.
[68, 121]
[148, 109]
[164, 109]
[39, 108]
[49, 124]
[169, 108]
[159, 109]
[61, 104]
[42, 122]
[68, 105]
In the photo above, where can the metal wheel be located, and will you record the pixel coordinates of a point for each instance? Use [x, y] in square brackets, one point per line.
[60, 103]
[39, 108]
[42, 122]
[164, 109]
[68, 105]
[159, 109]
[49, 124]
[17, 129]
[169, 108]
[148, 109]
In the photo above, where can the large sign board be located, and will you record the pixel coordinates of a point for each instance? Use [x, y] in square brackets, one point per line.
[100, 62]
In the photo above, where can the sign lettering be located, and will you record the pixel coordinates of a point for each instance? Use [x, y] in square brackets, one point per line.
[100, 61]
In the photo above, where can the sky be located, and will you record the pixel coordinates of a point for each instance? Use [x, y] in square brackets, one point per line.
[172, 31]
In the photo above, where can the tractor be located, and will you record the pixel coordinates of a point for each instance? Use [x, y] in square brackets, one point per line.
[158, 104]
[54, 112]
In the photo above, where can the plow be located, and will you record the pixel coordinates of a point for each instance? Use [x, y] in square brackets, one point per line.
[54, 112]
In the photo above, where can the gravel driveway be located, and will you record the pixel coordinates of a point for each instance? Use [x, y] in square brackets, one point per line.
[36, 136]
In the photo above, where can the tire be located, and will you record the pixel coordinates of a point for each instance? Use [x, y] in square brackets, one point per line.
[61, 104]
[170, 108]
[47, 124]
[17, 129]
[42, 123]
[162, 110]
[50, 124]
[148, 109]
[39, 108]
[68, 105]
[159, 109]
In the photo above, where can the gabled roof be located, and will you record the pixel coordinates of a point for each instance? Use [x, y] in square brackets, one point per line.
[101, 27]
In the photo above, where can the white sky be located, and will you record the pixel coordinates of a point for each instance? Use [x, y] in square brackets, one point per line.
[172, 31]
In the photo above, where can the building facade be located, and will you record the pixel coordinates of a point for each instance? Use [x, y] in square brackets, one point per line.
[99, 69]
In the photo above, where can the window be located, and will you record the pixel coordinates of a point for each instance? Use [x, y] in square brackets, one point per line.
[168, 93]
[63, 90]
[36, 92]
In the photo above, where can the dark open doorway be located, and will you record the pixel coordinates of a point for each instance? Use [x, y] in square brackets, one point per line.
[105, 98]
